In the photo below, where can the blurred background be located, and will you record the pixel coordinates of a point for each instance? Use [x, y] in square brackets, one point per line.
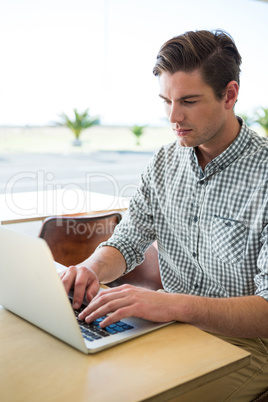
[57, 55]
[97, 56]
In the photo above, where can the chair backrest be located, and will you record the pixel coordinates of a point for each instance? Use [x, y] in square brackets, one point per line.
[72, 239]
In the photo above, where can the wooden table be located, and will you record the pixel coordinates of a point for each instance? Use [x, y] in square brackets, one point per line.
[35, 206]
[164, 364]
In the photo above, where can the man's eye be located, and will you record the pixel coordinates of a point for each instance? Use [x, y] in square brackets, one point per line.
[189, 102]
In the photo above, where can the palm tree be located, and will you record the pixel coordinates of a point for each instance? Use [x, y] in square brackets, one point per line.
[138, 131]
[80, 122]
[261, 117]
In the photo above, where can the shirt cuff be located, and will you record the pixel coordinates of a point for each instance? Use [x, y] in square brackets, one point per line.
[132, 258]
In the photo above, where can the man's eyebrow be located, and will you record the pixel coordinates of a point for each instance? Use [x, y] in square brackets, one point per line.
[183, 97]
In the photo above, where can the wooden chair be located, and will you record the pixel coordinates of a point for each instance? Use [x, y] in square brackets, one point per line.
[72, 239]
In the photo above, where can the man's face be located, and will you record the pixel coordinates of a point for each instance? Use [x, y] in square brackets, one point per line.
[197, 117]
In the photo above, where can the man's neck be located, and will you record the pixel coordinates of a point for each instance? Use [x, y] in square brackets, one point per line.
[206, 154]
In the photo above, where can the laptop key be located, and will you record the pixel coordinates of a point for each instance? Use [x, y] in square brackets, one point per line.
[127, 326]
[91, 334]
[110, 330]
[88, 338]
[119, 329]
[104, 333]
[92, 331]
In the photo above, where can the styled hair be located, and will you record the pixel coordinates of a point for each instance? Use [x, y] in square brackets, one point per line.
[214, 53]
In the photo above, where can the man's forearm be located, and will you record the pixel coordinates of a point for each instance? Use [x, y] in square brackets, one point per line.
[245, 317]
[107, 262]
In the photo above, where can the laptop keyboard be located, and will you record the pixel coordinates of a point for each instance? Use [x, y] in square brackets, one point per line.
[93, 331]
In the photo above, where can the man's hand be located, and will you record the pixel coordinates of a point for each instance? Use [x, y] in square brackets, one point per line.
[129, 301]
[104, 265]
[84, 281]
[226, 316]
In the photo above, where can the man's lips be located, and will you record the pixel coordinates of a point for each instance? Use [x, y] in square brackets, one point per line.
[182, 131]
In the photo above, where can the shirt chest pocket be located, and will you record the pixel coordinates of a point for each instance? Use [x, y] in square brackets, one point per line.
[228, 239]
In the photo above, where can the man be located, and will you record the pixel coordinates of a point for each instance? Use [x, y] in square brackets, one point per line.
[204, 199]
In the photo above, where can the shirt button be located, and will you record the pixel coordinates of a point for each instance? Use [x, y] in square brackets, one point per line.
[194, 254]
[196, 286]
[196, 219]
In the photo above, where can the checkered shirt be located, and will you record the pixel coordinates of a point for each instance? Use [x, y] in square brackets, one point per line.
[211, 227]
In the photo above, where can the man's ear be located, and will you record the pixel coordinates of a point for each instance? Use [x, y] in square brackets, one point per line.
[231, 94]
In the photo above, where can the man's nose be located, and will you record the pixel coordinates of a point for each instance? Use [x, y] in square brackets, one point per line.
[176, 114]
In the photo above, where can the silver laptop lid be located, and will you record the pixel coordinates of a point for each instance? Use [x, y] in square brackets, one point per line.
[31, 288]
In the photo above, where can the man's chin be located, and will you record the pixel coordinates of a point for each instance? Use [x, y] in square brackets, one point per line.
[185, 143]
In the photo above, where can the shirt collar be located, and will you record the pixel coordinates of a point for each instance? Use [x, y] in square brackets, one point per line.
[229, 155]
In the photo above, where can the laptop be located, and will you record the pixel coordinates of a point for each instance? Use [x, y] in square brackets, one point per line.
[31, 288]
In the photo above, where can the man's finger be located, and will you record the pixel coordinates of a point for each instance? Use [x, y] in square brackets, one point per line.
[68, 278]
[81, 282]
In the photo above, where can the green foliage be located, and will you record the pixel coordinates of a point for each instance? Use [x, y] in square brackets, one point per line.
[261, 117]
[80, 122]
[138, 132]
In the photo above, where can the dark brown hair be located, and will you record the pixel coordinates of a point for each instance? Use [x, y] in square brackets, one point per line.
[214, 53]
